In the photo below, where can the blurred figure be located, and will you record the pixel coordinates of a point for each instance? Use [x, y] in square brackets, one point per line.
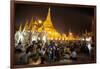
[84, 49]
[20, 47]
[42, 52]
[21, 57]
[67, 53]
[34, 58]
[50, 55]
[89, 47]
[57, 54]
[73, 55]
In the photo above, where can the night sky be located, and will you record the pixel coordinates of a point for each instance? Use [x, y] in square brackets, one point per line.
[77, 19]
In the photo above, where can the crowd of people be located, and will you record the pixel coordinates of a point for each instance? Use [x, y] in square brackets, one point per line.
[50, 52]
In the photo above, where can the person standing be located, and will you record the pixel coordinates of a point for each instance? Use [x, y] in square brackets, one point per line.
[74, 55]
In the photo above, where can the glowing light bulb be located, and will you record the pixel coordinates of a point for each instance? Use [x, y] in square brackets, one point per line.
[40, 21]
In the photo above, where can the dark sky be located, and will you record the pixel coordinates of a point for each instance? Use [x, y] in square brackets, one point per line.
[77, 19]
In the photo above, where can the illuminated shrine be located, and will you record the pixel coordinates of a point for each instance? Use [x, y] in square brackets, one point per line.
[34, 30]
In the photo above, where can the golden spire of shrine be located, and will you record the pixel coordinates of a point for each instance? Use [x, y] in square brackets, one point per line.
[49, 28]
[20, 28]
[26, 27]
[31, 23]
[48, 22]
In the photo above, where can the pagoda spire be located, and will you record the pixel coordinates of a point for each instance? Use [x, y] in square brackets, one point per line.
[31, 23]
[85, 31]
[20, 28]
[49, 15]
[26, 26]
[48, 21]
[69, 30]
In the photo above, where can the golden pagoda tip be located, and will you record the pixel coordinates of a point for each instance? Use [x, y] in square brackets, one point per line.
[49, 9]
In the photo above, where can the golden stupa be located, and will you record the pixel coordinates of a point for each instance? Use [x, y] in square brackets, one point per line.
[49, 28]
